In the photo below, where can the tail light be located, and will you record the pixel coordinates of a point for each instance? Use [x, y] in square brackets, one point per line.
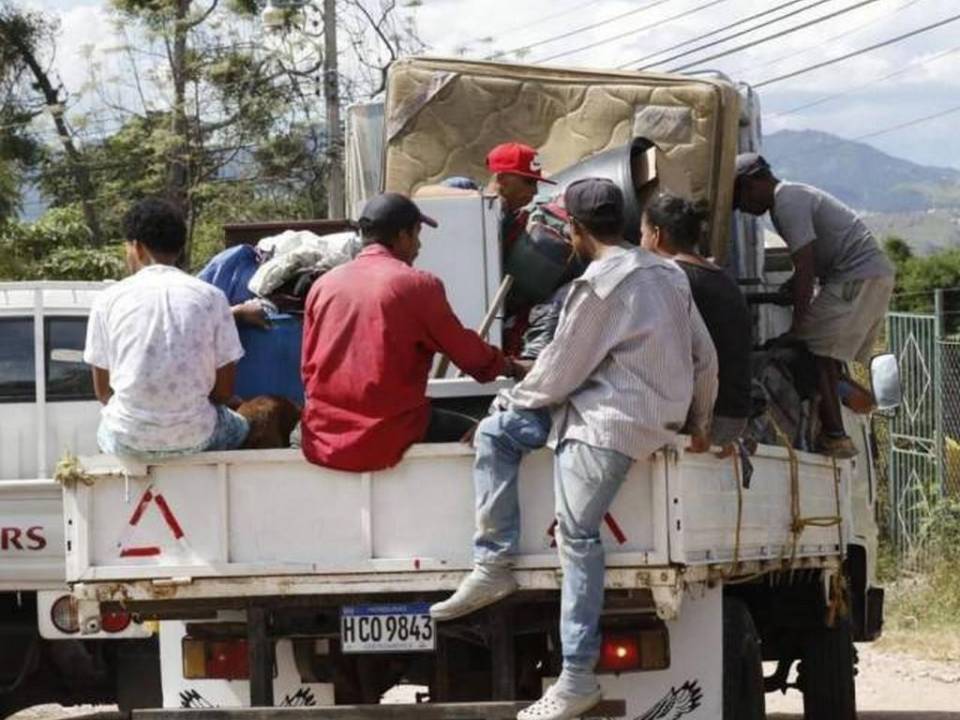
[625, 651]
[215, 659]
[114, 621]
[65, 615]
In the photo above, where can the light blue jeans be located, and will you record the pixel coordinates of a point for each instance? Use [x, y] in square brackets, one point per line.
[502, 439]
[228, 434]
[586, 480]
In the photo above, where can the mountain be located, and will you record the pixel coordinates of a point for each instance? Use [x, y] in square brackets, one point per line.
[897, 197]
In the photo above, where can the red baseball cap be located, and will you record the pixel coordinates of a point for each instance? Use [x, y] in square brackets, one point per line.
[516, 159]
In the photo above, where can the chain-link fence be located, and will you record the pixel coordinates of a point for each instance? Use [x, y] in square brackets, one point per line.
[949, 401]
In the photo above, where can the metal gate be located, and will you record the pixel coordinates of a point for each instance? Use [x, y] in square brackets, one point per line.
[924, 455]
[915, 466]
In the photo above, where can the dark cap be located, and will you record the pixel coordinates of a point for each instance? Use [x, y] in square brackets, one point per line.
[750, 164]
[594, 200]
[391, 212]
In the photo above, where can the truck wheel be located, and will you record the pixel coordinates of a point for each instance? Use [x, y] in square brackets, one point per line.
[743, 694]
[826, 674]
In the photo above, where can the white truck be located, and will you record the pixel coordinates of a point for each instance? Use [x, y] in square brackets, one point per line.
[47, 407]
[278, 583]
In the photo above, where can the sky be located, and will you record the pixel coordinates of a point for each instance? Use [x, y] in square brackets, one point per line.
[925, 69]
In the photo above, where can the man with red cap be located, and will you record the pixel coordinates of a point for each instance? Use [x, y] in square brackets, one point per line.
[370, 332]
[516, 171]
[536, 248]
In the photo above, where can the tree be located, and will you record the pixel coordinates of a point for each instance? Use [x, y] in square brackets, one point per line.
[27, 39]
[919, 277]
[897, 250]
[56, 247]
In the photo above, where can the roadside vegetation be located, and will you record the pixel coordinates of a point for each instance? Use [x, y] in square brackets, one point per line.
[923, 596]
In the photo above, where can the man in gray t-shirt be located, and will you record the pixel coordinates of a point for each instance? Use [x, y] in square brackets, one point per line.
[829, 243]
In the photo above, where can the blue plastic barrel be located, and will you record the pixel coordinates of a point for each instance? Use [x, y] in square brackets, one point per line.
[271, 361]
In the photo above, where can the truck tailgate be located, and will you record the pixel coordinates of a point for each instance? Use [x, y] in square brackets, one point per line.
[31, 535]
[268, 514]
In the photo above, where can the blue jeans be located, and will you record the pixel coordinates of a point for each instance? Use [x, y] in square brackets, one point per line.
[228, 434]
[502, 439]
[586, 480]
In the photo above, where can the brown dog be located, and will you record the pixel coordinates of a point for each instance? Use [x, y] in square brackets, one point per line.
[272, 418]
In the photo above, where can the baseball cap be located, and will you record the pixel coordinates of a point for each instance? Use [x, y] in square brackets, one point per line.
[750, 164]
[391, 212]
[516, 159]
[594, 200]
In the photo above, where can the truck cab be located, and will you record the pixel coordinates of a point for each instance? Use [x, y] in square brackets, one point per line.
[48, 410]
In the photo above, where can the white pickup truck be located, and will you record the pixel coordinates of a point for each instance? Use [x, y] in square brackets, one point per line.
[279, 583]
[47, 407]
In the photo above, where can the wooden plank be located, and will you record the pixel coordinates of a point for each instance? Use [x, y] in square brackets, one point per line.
[411, 711]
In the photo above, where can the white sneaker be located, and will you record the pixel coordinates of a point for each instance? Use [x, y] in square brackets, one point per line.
[485, 585]
[555, 705]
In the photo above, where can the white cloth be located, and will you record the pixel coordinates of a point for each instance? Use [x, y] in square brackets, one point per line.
[163, 335]
[630, 358]
[295, 249]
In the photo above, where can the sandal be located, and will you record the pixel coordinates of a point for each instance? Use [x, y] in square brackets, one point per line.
[557, 706]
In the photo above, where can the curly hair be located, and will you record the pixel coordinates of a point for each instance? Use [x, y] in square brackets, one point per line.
[157, 224]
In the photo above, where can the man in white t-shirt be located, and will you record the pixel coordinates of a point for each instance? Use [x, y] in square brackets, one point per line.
[828, 243]
[163, 346]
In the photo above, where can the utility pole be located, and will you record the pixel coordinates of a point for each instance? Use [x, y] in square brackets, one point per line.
[331, 92]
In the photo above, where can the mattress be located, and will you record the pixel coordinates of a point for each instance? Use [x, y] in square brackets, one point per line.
[443, 116]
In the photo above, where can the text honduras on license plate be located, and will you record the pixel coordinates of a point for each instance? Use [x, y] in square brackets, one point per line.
[387, 628]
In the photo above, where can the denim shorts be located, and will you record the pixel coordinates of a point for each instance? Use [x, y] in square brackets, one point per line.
[228, 434]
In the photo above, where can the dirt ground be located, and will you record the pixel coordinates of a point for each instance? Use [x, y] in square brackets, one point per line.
[899, 685]
[891, 685]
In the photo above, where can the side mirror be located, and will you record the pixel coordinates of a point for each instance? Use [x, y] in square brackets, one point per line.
[885, 382]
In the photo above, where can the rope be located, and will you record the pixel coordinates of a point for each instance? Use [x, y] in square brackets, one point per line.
[737, 476]
[837, 606]
[798, 523]
[68, 472]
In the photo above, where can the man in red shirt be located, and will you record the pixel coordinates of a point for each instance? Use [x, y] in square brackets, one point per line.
[370, 332]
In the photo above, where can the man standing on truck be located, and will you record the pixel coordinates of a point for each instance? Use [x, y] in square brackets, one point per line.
[371, 329]
[630, 359]
[163, 346]
[830, 243]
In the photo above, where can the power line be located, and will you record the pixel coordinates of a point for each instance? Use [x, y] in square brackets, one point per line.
[577, 31]
[869, 48]
[826, 98]
[821, 42]
[909, 123]
[887, 130]
[741, 33]
[516, 28]
[634, 31]
[775, 36]
[704, 36]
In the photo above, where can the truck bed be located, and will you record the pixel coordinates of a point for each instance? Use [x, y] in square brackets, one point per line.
[253, 523]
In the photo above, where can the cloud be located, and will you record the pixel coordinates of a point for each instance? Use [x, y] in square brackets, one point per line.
[481, 27]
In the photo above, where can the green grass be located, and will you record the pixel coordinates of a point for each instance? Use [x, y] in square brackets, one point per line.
[923, 608]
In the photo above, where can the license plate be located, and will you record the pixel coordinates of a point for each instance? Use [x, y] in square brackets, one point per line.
[387, 628]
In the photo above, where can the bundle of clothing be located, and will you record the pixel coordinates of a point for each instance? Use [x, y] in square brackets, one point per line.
[784, 395]
[281, 268]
